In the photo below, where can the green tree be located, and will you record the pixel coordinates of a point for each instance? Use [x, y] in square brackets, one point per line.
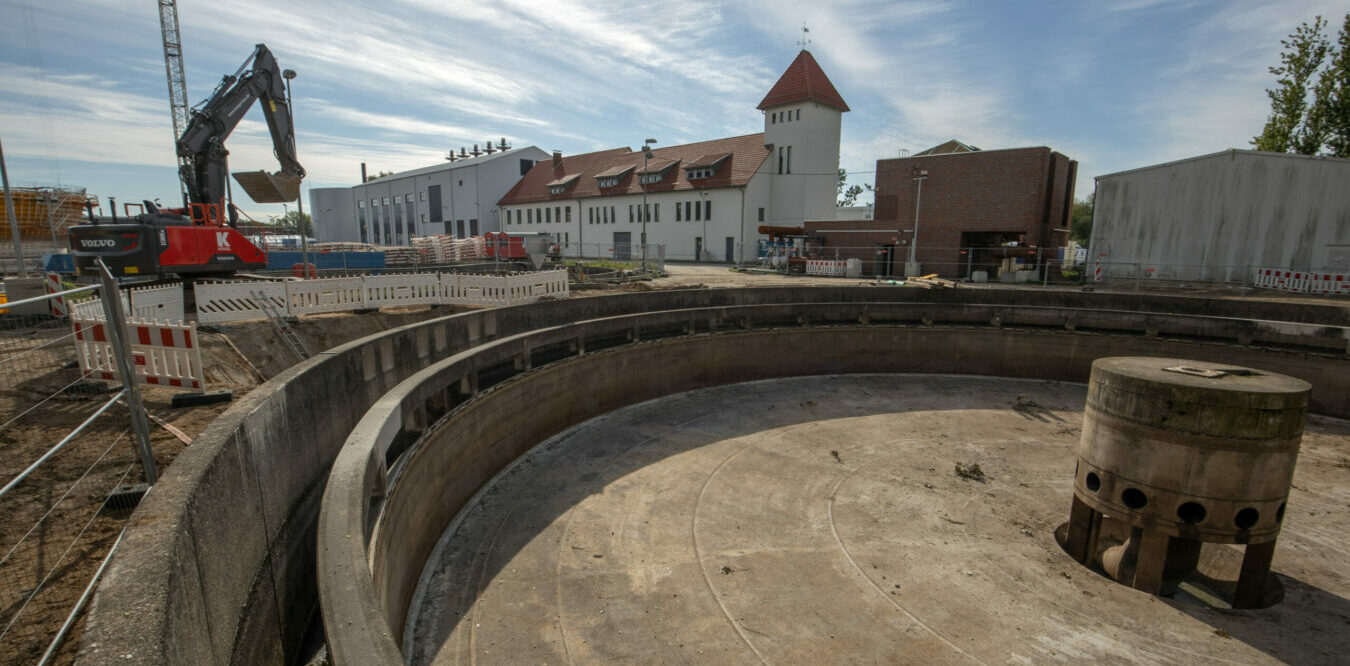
[291, 221]
[1080, 221]
[1333, 95]
[1322, 124]
[848, 196]
[379, 175]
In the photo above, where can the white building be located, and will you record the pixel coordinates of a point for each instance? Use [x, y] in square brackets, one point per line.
[705, 199]
[457, 198]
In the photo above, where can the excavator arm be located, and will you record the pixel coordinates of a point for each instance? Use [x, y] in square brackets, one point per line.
[201, 148]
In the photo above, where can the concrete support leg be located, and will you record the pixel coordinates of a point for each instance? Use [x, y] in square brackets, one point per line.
[1078, 542]
[1253, 581]
[1151, 563]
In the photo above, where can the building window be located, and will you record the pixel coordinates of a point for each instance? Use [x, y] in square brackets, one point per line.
[473, 227]
[780, 159]
[688, 214]
[407, 198]
[799, 114]
[612, 216]
[590, 216]
[649, 178]
[761, 215]
[548, 215]
[698, 212]
[557, 213]
[423, 196]
[699, 172]
[656, 212]
[789, 159]
[461, 183]
[677, 212]
[707, 209]
[773, 118]
[424, 218]
[556, 189]
[610, 181]
[569, 213]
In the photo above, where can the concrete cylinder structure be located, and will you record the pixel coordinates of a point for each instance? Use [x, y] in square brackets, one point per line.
[1175, 453]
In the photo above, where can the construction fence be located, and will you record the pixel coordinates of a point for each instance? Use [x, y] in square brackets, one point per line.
[71, 446]
[238, 300]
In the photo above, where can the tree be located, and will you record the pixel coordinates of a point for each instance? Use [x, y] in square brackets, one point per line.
[291, 219]
[1322, 124]
[1080, 222]
[379, 175]
[847, 196]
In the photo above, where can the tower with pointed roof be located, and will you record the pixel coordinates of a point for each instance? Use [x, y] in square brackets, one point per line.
[802, 117]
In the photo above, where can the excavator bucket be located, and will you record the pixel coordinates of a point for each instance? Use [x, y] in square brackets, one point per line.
[265, 187]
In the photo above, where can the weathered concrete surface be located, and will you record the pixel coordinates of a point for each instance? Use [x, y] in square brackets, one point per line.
[826, 526]
[215, 567]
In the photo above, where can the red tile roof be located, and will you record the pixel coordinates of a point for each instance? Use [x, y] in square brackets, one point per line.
[747, 153]
[707, 160]
[804, 80]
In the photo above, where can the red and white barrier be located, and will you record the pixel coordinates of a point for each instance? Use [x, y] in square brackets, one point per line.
[825, 267]
[58, 304]
[1302, 282]
[163, 353]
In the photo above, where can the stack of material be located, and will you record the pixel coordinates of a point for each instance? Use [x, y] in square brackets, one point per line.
[400, 256]
[342, 246]
[931, 281]
[446, 249]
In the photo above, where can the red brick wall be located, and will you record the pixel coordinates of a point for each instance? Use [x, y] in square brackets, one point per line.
[1010, 191]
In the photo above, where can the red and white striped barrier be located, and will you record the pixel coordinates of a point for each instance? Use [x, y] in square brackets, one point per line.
[53, 284]
[825, 267]
[1303, 282]
[163, 353]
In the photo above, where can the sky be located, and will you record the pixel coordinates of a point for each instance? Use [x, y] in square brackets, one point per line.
[1114, 84]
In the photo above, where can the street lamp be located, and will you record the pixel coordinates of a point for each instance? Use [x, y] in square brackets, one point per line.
[646, 155]
[289, 74]
[911, 269]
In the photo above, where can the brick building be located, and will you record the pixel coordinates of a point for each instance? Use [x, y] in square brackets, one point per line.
[971, 206]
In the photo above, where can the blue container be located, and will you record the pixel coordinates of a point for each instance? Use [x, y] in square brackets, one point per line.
[278, 260]
[58, 263]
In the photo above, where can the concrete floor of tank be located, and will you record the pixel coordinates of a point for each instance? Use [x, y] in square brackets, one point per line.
[819, 520]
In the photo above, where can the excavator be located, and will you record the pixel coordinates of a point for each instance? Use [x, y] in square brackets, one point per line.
[201, 239]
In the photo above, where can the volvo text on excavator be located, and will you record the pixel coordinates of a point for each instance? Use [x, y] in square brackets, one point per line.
[200, 239]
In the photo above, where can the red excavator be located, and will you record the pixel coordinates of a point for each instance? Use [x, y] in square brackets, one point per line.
[200, 239]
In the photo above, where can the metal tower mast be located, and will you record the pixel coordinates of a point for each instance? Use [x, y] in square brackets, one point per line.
[173, 68]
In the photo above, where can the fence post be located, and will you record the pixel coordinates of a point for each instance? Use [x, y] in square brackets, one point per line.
[116, 326]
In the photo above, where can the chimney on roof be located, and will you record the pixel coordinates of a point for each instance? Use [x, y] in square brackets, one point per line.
[363, 172]
[557, 159]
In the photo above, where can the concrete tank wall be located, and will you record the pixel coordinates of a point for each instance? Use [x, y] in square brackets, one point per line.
[216, 566]
[1219, 216]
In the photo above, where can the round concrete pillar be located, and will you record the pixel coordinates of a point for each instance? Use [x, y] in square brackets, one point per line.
[1175, 453]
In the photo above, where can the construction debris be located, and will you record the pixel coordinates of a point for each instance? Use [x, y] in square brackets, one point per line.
[972, 472]
[930, 281]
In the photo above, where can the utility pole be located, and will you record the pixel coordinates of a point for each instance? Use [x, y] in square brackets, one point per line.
[9, 213]
[646, 155]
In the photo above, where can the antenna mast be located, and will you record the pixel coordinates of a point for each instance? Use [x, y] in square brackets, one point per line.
[173, 69]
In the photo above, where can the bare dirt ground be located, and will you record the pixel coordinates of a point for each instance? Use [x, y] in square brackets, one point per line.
[825, 520]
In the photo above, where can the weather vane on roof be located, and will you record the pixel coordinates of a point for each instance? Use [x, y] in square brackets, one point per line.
[804, 40]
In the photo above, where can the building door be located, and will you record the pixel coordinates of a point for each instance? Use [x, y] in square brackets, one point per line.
[731, 249]
[623, 245]
[434, 204]
[460, 224]
[473, 227]
[698, 248]
[884, 255]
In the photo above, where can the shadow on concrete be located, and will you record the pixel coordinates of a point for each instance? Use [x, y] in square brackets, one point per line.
[1283, 631]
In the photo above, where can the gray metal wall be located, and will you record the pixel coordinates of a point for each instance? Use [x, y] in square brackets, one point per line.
[1218, 217]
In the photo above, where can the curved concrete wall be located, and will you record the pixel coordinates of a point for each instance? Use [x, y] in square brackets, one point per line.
[367, 583]
[217, 563]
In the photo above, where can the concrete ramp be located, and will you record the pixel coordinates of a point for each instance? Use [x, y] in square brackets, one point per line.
[265, 187]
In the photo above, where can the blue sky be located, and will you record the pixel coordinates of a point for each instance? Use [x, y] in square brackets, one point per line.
[395, 84]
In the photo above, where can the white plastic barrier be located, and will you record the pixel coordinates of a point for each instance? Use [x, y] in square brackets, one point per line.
[93, 308]
[403, 289]
[163, 303]
[328, 295]
[235, 301]
[163, 353]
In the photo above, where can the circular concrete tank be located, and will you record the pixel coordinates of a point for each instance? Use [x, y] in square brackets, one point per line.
[1175, 453]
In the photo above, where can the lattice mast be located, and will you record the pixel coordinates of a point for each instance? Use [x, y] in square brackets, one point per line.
[173, 69]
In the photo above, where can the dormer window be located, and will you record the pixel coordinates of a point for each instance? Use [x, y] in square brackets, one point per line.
[612, 176]
[560, 185]
[649, 178]
[655, 170]
[705, 166]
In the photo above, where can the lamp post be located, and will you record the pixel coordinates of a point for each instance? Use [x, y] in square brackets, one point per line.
[299, 205]
[646, 155]
[912, 270]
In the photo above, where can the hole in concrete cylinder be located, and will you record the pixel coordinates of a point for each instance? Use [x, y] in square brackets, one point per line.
[1279, 513]
[1093, 482]
[1191, 513]
[1246, 518]
[1134, 498]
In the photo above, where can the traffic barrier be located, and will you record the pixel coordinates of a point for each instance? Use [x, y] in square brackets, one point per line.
[163, 353]
[1301, 282]
[58, 304]
[160, 303]
[825, 267]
